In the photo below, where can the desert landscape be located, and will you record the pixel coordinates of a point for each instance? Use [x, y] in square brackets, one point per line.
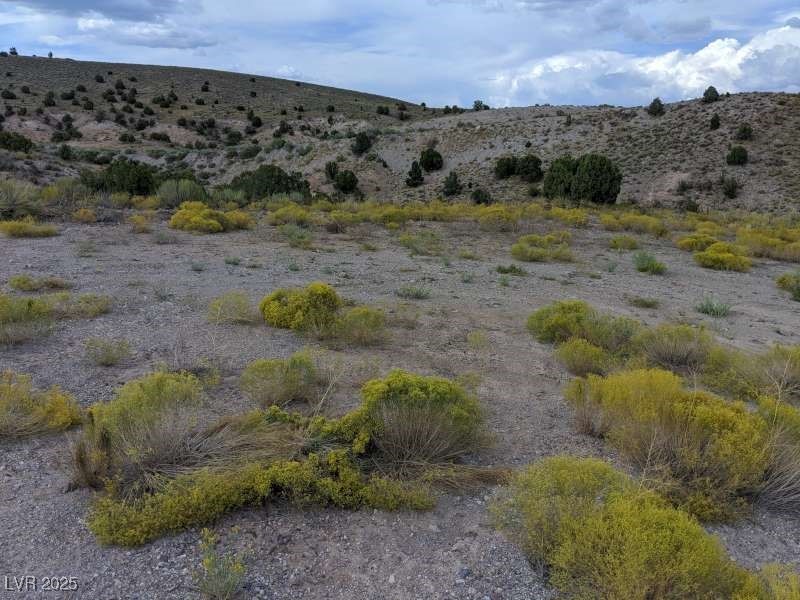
[266, 339]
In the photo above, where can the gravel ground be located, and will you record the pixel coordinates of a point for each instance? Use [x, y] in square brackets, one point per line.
[161, 293]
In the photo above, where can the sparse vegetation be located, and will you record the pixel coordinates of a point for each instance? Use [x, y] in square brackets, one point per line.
[26, 411]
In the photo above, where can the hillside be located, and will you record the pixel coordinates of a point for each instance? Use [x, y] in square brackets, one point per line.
[663, 159]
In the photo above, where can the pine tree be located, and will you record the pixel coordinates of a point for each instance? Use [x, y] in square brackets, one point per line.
[415, 178]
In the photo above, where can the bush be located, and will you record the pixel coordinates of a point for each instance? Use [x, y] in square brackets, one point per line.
[269, 180]
[278, 382]
[222, 577]
[106, 352]
[27, 283]
[414, 420]
[362, 325]
[723, 256]
[539, 248]
[713, 308]
[174, 192]
[656, 108]
[706, 454]
[27, 228]
[559, 177]
[529, 168]
[730, 187]
[452, 186]
[737, 156]
[362, 143]
[84, 215]
[647, 263]
[696, 242]
[346, 181]
[790, 282]
[505, 167]
[415, 177]
[623, 242]
[744, 133]
[15, 142]
[634, 547]
[431, 160]
[123, 175]
[714, 123]
[580, 357]
[312, 309]
[597, 179]
[231, 308]
[675, 347]
[710, 95]
[196, 216]
[25, 411]
[23, 318]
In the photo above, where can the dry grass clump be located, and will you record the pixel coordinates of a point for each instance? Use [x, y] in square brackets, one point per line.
[277, 382]
[779, 243]
[647, 263]
[630, 221]
[541, 248]
[708, 455]
[27, 228]
[291, 214]
[84, 215]
[362, 326]
[790, 282]
[23, 318]
[106, 352]
[196, 216]
[623, 242]
[84, 306]
[231, 308]
[28, 283]
[598, 535]
[142, 222]
[675, 347]
[723, 256]
[298, 237]
[27, 411]
[421, 243]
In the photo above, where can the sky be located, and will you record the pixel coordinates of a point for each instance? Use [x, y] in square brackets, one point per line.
[504, 52]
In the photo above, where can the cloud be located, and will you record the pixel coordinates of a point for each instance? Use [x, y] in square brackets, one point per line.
[130, 10]
[793, 22]
[769, 61]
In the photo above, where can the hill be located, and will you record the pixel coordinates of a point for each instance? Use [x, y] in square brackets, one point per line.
[163, 116]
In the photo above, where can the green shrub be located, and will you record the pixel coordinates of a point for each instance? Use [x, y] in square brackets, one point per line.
[362, 143]
[723, 256]
[27, 228]
[196, 216]
[106, 352]
[790, 282]
[695, 242]
[362, 326]
[623, 242]
[706, 454]
[540, 248]
[414, 420]
[714, 308]
[297, 236]
[737, 156]
[172, 193]
[656, 108]
[271, 382]
[647, 263]
[452, 186]
[505, 167]
[231, 308]
[744, 133]
[529, 168]
[346, 181]
[23, 318]
[581, 357]
[27, 283]
[710, 95]
[597, 179]
[312, 309]
[415, 177]
[559, 177]
[270, 180]
[15, 142]
[431, 160]
[25, 411]
[221, 577]
[123, 175]
[421, 243]
[675, 347]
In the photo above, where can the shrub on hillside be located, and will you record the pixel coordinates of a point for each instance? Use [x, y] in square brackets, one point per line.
[345, 181]
[122, 175]
[541, 248]
[656, 108]
[415, 177]
[505, 167]
[558, 178]
[529, 168]
[597, 179]
[452, 186]
[723, 256]
[269, 180]
[15, 142]
[174, 192]
[737, 156]
[710, 95]
[431, 160]
[675, 347]
[744, 133]
[362, 143]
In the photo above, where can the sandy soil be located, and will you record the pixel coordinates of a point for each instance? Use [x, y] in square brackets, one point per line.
[451, 552]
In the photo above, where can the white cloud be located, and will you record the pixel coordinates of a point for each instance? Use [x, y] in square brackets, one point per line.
[769, 61]
[94, 22]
